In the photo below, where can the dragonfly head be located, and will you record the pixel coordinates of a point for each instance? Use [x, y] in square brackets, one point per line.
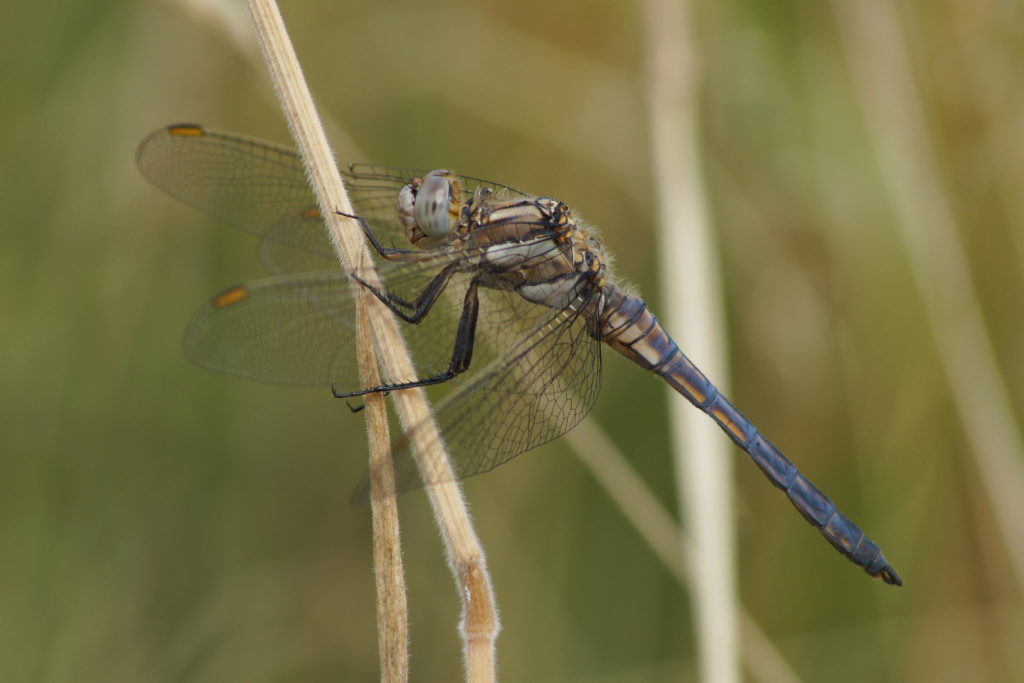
[430, 207]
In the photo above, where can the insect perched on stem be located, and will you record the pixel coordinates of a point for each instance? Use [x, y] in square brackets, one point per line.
[508, 300]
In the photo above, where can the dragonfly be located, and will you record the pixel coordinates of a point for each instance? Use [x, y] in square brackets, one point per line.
[507, 300]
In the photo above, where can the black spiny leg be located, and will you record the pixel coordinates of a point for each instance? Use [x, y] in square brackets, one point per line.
[389, 253]
[423, 302]
[462, 353]
[359, 408]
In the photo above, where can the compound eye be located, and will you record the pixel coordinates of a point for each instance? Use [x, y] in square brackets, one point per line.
[433, 203]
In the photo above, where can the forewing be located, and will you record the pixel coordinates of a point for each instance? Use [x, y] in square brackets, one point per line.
[261, 188]
[248, 184]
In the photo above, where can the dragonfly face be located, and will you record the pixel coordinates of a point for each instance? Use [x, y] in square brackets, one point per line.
[430, 208]
[506, 296]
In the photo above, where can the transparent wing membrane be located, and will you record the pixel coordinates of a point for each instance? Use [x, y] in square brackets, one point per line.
[261, 188]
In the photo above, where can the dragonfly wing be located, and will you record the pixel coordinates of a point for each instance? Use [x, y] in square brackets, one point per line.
[290, 330]
[261, 188]
[248, 184]
[298, 243]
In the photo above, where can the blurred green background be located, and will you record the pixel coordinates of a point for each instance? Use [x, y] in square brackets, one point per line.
[161, 523]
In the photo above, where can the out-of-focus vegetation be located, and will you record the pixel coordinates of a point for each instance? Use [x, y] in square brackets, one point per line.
[161, 523]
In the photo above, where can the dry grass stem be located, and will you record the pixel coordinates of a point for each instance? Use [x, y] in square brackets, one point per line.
[693, 311]
[898, 128]
[479, 625]
[389, 575]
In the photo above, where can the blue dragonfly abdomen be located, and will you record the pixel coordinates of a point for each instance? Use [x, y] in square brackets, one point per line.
[630, 328]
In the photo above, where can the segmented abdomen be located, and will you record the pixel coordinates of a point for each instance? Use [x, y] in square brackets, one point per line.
[630, 328]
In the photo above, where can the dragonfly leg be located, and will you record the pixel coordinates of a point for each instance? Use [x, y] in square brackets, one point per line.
[359, 408]
[424, 300]
[462, 353]
[387, 252]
